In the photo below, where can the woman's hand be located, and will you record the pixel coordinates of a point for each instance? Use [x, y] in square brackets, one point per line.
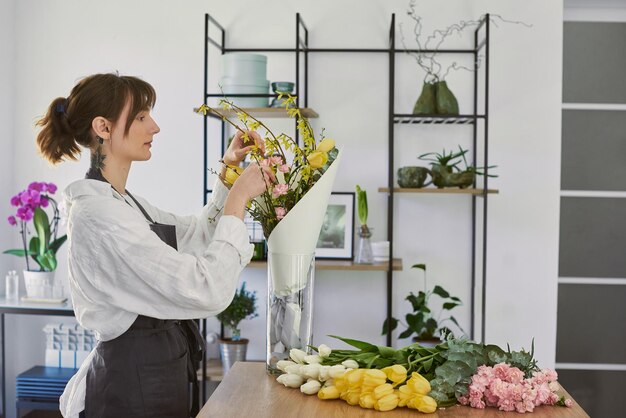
[251, 183]
[239, 147]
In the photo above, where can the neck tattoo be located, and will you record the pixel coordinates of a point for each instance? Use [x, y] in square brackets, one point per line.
[97, 159]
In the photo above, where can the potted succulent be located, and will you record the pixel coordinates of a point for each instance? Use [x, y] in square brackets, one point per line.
[421, 324]
[243, 306]
[44, 244]
[446, 173]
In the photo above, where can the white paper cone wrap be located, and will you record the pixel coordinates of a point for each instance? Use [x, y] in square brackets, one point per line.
[297, 234]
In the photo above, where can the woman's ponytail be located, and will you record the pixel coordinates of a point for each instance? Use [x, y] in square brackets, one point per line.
[56, 139]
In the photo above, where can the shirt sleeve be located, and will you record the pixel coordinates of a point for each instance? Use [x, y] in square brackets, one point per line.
[129, 267]
[193, 232]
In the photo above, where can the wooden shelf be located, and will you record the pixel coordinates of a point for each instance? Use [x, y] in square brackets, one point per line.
[269, 112]
[440, 191]
[343, 265]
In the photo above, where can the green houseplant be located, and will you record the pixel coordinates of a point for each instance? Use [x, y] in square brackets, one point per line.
[243, 306]
[421, 323]
[445, 171]
[364, 253]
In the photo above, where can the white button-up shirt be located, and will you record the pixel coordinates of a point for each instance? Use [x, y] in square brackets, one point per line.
[119, 268]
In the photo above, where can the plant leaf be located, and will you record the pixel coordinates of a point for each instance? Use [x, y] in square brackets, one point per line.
[56, 244]
[19, 253]
[450, 305]
[406, 334]
[389, 325]
[42, 226]
[419, 266]
[438, 290]
[361, 345]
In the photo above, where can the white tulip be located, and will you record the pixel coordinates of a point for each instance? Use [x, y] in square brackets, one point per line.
[324, 351]
[350, 364]
[313, 359]
[329, 382]
[290, 380]
[324, 373]
[294, 369]
[310, 370]
[284, 363]
[297, 355]
[311, 387]
[336, 370]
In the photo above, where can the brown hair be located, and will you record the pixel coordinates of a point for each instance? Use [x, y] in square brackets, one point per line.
[67, 124]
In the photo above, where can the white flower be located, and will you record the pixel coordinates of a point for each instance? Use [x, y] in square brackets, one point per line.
[324, 373]
[297, 355]
[336, 370]
[329, 382]
[350, 364]
[311, 387]
[290, 380]
[294, 369]
[313, 359]
[284, 363]
[324, 351]
[311, 370]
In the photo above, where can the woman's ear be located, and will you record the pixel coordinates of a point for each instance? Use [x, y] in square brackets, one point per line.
[102, 127]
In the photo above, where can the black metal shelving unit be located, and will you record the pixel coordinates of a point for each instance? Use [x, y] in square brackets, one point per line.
[301, 51]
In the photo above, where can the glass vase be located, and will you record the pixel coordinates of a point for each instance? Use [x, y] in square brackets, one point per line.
[364, 253]
[289, 305]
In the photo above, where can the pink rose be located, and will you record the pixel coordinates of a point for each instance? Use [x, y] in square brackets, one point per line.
[264, 163]
[280, 212]
[276, 160]
[569, 403]
[284, 168]
[279, 190]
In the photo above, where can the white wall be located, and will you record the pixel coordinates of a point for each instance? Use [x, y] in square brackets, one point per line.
[58, 42]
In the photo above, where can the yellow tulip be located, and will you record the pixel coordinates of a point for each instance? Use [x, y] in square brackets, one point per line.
[232, 173]
[422, 403]
[367, 400]
[355, 378]
[404, 395]
[352, 397]
[341, 383]
[383, 390]
[418, 384]
[328, 392]
[317, 159]
[373, 378]
[395, 373]
[387, 403]
[326, 145]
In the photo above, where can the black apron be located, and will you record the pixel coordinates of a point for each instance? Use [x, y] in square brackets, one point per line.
[145, 372]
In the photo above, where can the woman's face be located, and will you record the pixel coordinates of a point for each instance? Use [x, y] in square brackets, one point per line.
[135, 146]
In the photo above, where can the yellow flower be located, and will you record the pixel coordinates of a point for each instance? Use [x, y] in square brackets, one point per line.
[373, 378]
[232, 173]
[418, 384]
[387, 403]
[326, 145]
[422, 403]
[340, 382]
[367, 400]
[404, 394]
[352, 396]
[354, 378]
[395, 373]
[328, 392]
[383, 390]
[317, 159]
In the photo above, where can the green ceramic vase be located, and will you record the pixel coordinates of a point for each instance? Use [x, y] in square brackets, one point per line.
[426, 104]
[446, 102]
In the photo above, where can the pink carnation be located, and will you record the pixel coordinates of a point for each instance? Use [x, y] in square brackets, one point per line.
[279, 190]
[280, 212]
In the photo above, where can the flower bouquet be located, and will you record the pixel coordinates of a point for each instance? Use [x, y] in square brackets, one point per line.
[291, 213]
[424, 378]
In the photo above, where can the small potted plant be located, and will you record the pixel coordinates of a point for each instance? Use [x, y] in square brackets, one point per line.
[445, 172]
[421, 323]
[44, 244]
[364, 253]
[243, 306]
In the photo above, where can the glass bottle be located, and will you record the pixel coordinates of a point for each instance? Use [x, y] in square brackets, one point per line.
[364, 246]
[12, 286]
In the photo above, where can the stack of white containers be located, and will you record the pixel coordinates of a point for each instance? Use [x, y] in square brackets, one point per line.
[67, 345]
[245, 74]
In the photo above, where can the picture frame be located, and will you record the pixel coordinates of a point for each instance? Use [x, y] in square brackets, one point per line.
[336, 240]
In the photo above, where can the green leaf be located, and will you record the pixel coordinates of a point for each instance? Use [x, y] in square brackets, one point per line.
[438, 290]
[19, 253]
[361, 198]
[42, 226]
[386, 352]
[43, 261]
[419, 266]
[406, 334]
[56, 244]
[449, 305]
[361, 345]
[389, 325]
[428, 364]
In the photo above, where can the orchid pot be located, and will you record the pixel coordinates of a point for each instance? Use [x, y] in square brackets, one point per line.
[39, 284]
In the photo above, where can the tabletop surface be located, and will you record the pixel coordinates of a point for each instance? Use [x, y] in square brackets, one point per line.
[248, 391]
[15, 306]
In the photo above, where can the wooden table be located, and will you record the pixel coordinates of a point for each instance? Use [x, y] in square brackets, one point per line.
[248, 391]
